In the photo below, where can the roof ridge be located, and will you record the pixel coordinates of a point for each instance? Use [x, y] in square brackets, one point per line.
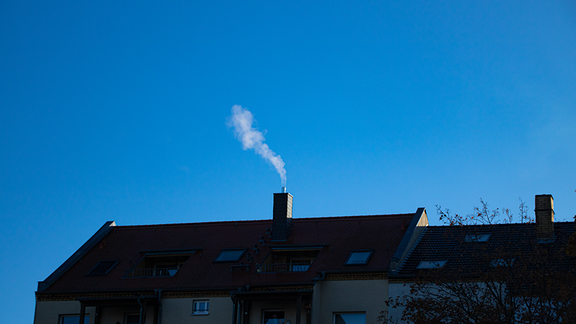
[352, 216]
[211, 223]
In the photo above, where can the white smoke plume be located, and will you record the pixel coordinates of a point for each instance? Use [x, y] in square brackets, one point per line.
[251, 138]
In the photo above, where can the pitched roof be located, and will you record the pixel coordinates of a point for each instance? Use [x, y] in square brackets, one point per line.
[466, 249]
[336, 236]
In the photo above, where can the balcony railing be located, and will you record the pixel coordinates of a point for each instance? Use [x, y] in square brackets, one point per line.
[150, 272]
[284, 267]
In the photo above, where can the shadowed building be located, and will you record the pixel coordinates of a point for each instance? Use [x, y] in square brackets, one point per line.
[284, 270]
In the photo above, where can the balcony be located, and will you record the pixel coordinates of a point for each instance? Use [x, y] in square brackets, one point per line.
[285, 267]
[150, 272]
[159, 264]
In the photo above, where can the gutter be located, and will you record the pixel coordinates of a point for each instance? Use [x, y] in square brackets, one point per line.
[320, 278]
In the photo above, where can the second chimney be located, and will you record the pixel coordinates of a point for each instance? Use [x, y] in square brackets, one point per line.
[282, 216]
[544, 210]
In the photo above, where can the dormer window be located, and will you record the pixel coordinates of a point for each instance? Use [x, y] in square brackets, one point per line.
[159, 264]
[287, 259]
[431, 264]
[359, 257]
[477, 237]
[230, 255]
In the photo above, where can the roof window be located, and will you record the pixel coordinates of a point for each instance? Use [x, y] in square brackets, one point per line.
[230, 255]
[102, 268]
[477, 237]
[502, 263]
[431, 264]
[359, 257]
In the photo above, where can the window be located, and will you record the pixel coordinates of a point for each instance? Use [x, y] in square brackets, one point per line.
[477, 238]
[273, 317]
[158, 265]
[431, 264]
[350, 318]
[502, 263]
[230, 255]
[200, 307]
[359, 257]
[300, 265]
[102, 268]
[73, 319]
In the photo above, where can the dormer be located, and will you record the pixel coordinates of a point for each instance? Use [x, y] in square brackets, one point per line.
[290, 259]
[159, 264]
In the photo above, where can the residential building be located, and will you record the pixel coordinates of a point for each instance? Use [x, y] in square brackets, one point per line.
[488, 268]
[281, 270]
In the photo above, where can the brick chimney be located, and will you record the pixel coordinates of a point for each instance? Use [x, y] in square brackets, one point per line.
[544, 210]
[282, 216]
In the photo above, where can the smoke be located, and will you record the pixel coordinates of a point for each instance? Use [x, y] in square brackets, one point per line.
[251, 138]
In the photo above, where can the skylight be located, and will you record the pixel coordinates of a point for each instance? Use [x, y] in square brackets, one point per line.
[102, 268]
[431, 264]
[230, 255]
[477, 238]
[359, 257]
[502, 263]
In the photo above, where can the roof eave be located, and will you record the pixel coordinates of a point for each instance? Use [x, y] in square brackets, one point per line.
[92, 241]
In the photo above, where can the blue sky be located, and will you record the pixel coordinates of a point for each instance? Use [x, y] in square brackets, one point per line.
[117, 111]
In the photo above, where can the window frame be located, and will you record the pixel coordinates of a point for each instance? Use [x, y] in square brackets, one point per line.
[101, 274]
[505, 263]
[196, 312]
[371, 252]
[62, 316]
[477, 238]
[242, 250]
[431, 264]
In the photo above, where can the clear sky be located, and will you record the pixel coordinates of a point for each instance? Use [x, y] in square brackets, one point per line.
[117, 110]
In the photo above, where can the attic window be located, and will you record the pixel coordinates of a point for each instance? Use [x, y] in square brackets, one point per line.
[359, 257]
[102, 268]
[477, 238]
[431, 264]
[230, 255]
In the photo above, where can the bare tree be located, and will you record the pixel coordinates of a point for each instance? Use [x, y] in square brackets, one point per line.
[512, 279]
